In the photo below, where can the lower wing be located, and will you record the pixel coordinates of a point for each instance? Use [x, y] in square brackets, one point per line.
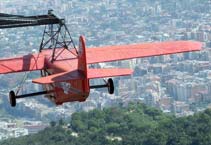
[79, 75]
[60, 77]
[122, 52]
[108, 72]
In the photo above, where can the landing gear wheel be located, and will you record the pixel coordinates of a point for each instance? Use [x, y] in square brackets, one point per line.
[12, 98]
[110, 84]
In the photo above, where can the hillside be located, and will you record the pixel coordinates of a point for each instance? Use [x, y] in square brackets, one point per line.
[135, 124]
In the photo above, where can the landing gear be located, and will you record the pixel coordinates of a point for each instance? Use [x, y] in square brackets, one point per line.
[110, 85]
[12, 98]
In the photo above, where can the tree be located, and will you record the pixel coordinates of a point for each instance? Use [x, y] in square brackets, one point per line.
[52, 123]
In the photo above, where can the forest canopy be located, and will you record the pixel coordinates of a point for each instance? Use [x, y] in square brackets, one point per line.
[134, 124]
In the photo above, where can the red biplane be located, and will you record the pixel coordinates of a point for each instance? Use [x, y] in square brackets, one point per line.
[65, 72]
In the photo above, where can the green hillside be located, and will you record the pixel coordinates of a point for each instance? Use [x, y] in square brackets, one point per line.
[133, 125]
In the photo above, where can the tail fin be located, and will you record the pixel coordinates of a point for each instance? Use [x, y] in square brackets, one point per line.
[82, 64]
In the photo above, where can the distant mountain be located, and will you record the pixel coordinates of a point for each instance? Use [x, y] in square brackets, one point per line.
[135, 124]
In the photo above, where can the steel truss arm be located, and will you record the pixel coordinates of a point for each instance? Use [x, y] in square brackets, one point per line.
[13, 21]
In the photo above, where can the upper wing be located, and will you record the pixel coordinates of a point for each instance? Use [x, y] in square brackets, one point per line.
[19, 64]
[122, 52]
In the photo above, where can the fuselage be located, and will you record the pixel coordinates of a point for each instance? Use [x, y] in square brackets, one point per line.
[66, 61]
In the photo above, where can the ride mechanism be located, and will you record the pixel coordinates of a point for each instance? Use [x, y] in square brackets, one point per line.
[65, 72]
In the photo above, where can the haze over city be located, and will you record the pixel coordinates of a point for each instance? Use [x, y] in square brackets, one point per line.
[178, 84]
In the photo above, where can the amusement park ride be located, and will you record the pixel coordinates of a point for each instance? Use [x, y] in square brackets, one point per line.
[65, 72]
